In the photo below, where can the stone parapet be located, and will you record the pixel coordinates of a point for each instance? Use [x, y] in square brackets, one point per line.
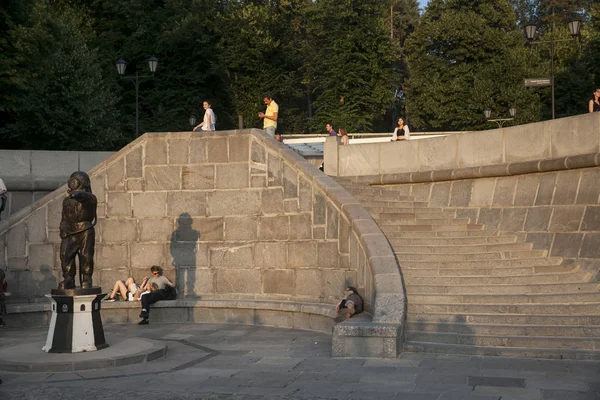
[553, 139]
[485, 171]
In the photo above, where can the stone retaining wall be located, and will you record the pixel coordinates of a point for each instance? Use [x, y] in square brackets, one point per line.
[531, 142]
[230, 213]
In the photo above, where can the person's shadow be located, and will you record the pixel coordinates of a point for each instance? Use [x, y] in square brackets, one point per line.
[183, 251]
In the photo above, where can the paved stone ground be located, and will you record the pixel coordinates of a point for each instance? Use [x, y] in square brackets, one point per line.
[212, 361]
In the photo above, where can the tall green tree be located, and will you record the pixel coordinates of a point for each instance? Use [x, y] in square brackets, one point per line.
[349, 62]
[463, 57]
[59, 98]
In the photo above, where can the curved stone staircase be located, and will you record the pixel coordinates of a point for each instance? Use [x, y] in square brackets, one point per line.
[471, 290]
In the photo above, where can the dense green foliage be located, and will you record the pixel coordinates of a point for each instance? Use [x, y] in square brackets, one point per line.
[356, 63]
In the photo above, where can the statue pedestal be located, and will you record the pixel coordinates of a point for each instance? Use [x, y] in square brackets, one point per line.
[76, 324]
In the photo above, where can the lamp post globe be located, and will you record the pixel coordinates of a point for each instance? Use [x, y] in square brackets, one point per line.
[487, 113]
[575, 28]
[530, 31]
[121, 66]
[192, 120]
[513, 112]
[152, 64]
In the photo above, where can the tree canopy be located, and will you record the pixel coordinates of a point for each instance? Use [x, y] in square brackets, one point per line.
[356, 63]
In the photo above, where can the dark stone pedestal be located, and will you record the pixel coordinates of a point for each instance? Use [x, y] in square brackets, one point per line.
[76, 324]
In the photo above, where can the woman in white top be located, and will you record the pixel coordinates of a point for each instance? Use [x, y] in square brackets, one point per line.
[401, 132]
[209, 120]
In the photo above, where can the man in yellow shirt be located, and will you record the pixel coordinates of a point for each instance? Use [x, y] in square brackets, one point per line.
[270, 116]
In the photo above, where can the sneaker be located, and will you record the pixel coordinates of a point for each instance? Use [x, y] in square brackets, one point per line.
[144, 314]
[143, 322]
[109, 299]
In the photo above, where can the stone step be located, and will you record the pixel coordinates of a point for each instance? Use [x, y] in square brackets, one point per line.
[461, 241]
[405, 216]
[547, 308]
[536, 342]
[569, 276]
[414, 221]
[514, 352]
[403, 204]
[381, 197]
[506, 319]
[514, 262]
[393, 233]
[380, 209]
[504, 330]
[400, 247]
[503, 288]
[491, 256]
[425, 227]
[375, 190]
[492, 298]
[409, 273]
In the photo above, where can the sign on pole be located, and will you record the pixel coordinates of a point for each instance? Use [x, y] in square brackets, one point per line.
[538, 82]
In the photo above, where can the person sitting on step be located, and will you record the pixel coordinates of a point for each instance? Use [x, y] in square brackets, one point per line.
[165, 286]
[128, 290]
[351, 304]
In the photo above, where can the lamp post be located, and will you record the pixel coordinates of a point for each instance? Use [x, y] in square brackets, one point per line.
[530, 34]
[192, 120]
[121, 66]
[500, 121]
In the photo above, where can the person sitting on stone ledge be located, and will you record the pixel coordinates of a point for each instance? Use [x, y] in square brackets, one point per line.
[351, 304]
[128, 290]
[165, 287]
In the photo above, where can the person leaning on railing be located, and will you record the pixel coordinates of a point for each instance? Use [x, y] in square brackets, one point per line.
[401, 132]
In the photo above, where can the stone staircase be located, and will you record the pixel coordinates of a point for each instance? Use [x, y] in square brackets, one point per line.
[472, 290]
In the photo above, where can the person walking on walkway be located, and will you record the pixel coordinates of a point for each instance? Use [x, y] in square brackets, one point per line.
[594, 104]
[270, 116]
[329, 129]
[209, 120]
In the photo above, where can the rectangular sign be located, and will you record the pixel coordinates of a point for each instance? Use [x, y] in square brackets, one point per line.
[538, 82]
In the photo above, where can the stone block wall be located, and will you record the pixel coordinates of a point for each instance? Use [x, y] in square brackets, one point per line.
[229, 215]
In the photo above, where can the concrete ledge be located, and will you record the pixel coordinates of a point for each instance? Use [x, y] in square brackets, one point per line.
[486, 171]
[283, 314]
[122, 351]
[354, 338]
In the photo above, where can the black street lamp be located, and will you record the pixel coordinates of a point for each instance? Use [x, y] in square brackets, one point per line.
[500, 121]
[121, 66]
[531, 33]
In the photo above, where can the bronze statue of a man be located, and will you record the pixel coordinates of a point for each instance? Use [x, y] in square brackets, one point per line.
[77, 231]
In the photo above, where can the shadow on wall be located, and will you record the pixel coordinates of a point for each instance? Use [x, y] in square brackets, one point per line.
[47, 280]
[183, 250]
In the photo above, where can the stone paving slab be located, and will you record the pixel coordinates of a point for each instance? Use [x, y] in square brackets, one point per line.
[29, 357]
[214, 362]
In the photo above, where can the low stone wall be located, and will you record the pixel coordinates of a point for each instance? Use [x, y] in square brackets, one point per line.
[30, 175]
[548, 139]
[228, 214]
